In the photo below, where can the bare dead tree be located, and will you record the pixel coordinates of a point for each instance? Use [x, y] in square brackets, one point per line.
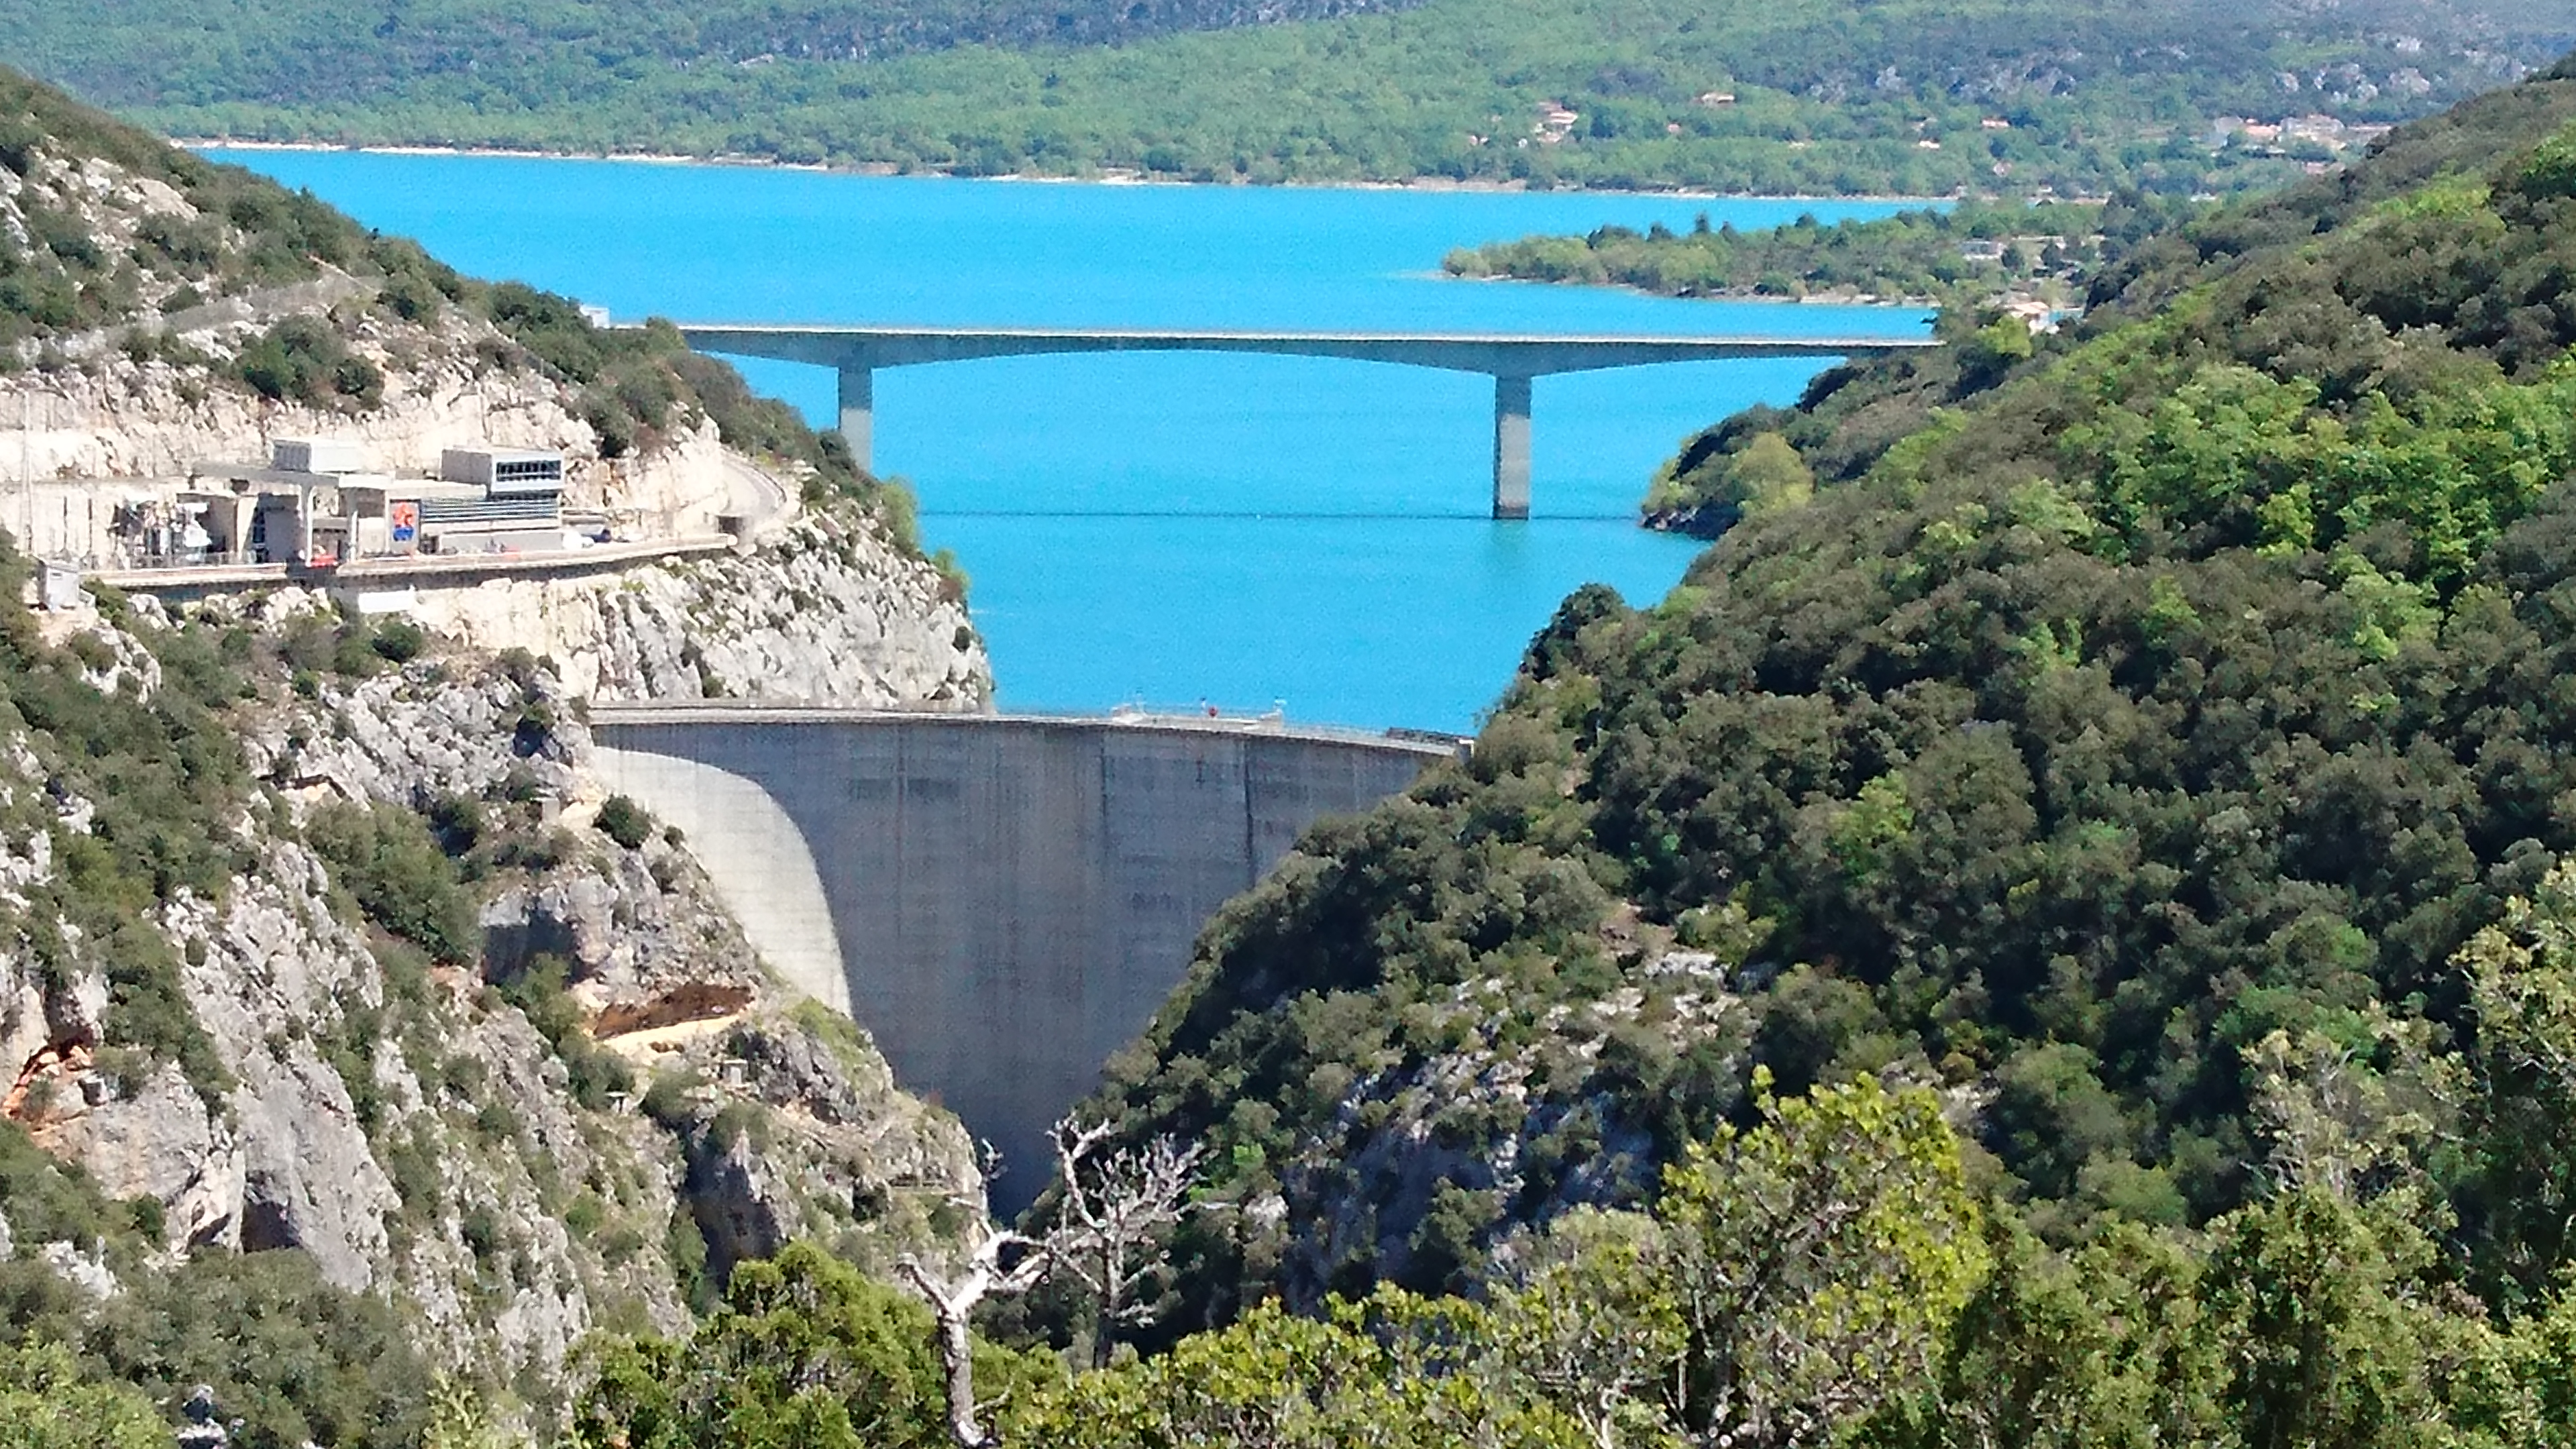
[1106, 1238]
[1111, 1220]
[952, 1302]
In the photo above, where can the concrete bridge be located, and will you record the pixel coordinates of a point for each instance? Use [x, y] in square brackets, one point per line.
[1003, 902]
[1511, 359]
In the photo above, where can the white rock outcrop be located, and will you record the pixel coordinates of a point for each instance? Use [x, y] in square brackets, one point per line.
[829, 612]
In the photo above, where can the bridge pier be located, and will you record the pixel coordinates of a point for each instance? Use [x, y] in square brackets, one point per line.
[859, 412]
[1511, 447]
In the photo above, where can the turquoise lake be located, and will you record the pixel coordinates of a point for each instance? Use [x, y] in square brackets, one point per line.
[1167, 528]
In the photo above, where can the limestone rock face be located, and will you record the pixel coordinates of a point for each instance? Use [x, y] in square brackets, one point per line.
[160, 1139]
[1472, 1118]
[270, 957]
[841, 1156]
[311, 1179]
[828, 611]
[511, 1147]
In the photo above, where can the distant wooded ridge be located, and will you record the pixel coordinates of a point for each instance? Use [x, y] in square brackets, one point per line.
[1972, 252]
[1838, 96]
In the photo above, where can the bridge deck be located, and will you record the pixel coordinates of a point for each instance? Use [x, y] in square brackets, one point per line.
[1512, 359]
[1502, 354]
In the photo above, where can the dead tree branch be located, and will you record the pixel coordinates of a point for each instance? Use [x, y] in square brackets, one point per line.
[1107, 1237]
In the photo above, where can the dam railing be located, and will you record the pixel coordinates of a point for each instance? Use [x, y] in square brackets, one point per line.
[1131, 715]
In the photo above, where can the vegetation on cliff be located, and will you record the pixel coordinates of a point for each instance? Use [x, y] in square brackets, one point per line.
[315, 958]
[2146, 738]
[1893, 96]
[1829, 1274]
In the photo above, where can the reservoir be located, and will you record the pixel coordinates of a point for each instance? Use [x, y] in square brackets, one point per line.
[1168, 528]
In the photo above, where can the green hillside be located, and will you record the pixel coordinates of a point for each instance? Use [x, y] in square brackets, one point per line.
[2098, 729]
[1807, 95]
[1973, 251]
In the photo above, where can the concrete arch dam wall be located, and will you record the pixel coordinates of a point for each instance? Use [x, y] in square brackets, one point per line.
[1002, 902]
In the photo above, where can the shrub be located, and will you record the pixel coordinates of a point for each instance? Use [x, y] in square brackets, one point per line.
[399, 641]
[625, 822]
[2549, 172]
[399, 876]
[459, 821]
[296, 1358]
[48, 1200]
[353, 653]
[303, 359]
[595, 1072]
[48, 1398]
[20, 140]
[667, 1100]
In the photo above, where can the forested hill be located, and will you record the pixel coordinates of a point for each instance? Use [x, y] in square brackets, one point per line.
[2127, 734]
[1972, 252]
[305, 51]
[1912, 97]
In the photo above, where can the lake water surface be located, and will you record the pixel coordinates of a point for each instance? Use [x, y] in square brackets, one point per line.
[1176, 527]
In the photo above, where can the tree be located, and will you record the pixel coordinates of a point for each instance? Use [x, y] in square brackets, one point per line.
[2330, 1339]
[296, 1358]
[953, 1298]
[2354, 1121]
[804, 1354]
[1767, 477]
[1111, 1213]
[1818, 1259]
[2102, 1348]
[1585, 1318]
[460, 1419]
[2522, 988]
[1394, 1370]
[46, 1402]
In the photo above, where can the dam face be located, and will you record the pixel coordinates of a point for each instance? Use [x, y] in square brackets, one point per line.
[1002, 902]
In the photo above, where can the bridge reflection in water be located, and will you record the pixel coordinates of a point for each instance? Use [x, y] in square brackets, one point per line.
[1511, 359]
[1002, 901]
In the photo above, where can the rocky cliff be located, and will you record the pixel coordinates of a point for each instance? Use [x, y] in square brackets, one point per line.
[173, 314]
[562, 1117]
[320, 944]
[827, 611]
[158, 311]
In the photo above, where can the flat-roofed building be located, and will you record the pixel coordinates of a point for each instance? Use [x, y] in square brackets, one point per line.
[389, 517]
[504, 470]
[517, 504]
[316, 455]
[313, 503]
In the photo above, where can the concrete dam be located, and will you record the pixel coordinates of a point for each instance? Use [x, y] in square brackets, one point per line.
[1002, 901]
